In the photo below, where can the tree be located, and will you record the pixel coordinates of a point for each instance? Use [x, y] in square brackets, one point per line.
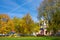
[29, 23]
[20, 25]
[16, 24]
[55, 22]
[36, 27]
[6, 24]
[49, 9]
[25, 25]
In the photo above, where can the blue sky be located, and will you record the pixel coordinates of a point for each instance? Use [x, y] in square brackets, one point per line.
[19, 8]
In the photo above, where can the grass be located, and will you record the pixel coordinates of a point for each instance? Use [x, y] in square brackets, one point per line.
[29, 38]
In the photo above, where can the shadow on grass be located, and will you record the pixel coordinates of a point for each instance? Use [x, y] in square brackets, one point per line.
[55, 38]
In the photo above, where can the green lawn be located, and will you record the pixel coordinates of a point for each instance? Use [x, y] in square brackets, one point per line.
[30, 38]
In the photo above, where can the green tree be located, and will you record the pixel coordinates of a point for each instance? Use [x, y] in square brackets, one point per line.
[50, 10]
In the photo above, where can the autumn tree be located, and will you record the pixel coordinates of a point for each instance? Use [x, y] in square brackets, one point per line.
[29, 23]
[6, 24]
[19, 25]
[36, 27]
[25, 25]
